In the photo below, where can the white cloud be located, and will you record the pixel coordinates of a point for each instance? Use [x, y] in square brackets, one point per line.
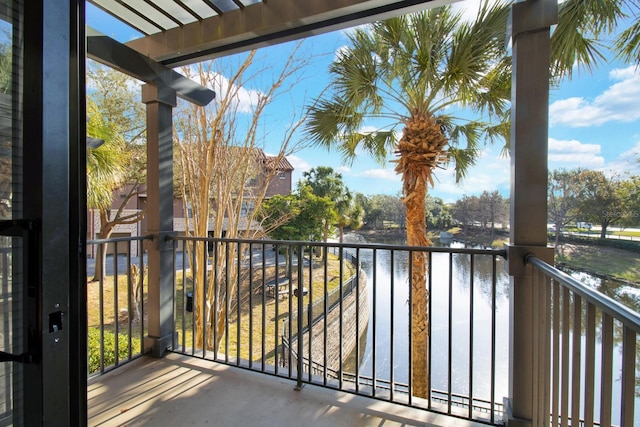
[299, 164]
[469, 9]
[619, 103]
[627, 162]
[489, 174]
[573, 146]
[572, 153]
[386, 174]
[343, 169]
[244, 100]
[623, 73]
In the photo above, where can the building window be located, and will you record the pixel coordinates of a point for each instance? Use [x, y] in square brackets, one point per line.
[247, 208]
[281, 175]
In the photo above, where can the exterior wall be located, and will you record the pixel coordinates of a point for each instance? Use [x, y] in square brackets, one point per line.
[139, 203]
[279, 185]
[120, 230]
[120, 194]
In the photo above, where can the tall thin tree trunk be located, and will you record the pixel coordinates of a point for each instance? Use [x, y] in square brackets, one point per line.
[420, 150]
[199, 295]
[417, 236]
[101, 256]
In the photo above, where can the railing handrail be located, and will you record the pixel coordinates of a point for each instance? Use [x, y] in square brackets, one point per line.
[628, 317]
[119, 239]
[348, 245]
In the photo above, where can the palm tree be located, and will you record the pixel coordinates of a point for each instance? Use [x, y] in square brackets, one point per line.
[628, 43]
[349, 213]
[325, 182]
[408, 72]
[105, 171]
[578, 41]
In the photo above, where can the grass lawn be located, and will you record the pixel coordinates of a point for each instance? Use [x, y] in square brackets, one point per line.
[249, 309]
[627, 233]
[257, 307]
[610, 262]
[114, 300]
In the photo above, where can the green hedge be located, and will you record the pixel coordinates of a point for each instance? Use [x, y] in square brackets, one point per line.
[629, 245]
[93, 344]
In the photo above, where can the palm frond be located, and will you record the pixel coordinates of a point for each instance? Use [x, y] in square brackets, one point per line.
[628, 43]
[575, 41]
[475, 48]
[494, 97]
[501, 132]
[463, 158]
[470, 132]
[356, 73]
[377, 144]
[329, 119]
[105, 164]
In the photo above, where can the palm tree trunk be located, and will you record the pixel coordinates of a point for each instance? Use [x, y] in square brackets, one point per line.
[101, 257]
[416, 236]
[420, 151]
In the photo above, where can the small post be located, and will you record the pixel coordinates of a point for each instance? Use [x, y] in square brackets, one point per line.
[300, 295]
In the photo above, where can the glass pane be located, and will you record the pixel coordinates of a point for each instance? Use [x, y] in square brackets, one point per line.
[6, 115]
[11, 296]
[10, 333]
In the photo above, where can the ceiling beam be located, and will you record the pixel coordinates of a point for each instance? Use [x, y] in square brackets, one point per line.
[267, 23]
[114, 54]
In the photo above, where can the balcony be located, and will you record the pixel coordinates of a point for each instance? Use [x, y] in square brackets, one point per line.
[183, 390]
[350, 303]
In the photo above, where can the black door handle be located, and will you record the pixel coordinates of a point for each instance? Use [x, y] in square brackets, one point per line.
[20, 358]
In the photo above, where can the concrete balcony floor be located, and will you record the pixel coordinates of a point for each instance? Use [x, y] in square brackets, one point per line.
[185, 391]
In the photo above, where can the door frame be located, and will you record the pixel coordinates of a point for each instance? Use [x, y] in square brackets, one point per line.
[55, 198]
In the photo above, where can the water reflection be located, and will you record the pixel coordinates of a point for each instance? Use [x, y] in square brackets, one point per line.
[625, 293]
[458, 334]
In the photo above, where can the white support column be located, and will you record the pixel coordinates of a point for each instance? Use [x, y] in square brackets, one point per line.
[160, 100]
[530, 33]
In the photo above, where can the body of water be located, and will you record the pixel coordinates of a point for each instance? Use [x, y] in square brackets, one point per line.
[455, 335]
[458, 334]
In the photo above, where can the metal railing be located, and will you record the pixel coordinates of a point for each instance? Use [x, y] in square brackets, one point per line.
[323, 305]
[355, 322]
[360, 343]
[116, 295]
[589, 346]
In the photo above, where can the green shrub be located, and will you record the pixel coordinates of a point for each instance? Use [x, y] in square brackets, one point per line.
[93, 345]
[629, 245]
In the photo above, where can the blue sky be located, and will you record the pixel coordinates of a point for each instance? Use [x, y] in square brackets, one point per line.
[594, 123]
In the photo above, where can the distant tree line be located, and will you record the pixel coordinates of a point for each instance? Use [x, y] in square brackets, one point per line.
[588, 197]
[486, 211]
[323, 206]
